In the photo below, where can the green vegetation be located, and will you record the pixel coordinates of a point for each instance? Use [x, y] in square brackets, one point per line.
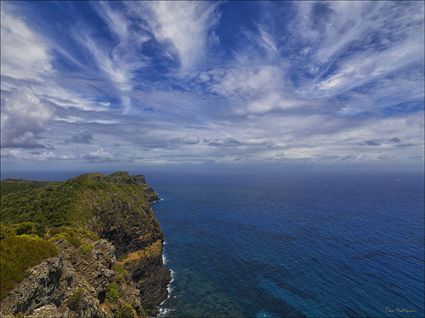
[9, 186]
[113, 292]
[70, 203]
[86, 249]
[75, 301]
[143, 312]
[19, 253]
[21, 228]
[126, 311]
[121, 272]
[36, 216]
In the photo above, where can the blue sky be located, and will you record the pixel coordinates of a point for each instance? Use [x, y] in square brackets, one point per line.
[89, 85]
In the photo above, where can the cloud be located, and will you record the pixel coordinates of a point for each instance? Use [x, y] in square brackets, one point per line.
[115, 20]
[227, 142]
[367, 66]
[82, 137]
[253, 88]
[120, 60]
[335, 27]
[165, 83]
[114, 64]
[352, 43]
[78, 120]
[370, 143]
[99, 155]
[186, 140]
[24, 54]
[187, 26]
[24, 117]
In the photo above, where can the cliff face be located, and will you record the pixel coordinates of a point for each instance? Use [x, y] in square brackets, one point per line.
[106, 249]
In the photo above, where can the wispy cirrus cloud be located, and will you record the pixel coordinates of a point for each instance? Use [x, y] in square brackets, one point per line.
[164, 83]
[24, 54]
[187, 27]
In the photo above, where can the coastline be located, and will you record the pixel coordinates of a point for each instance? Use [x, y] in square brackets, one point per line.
[163, 311]
[106, 247]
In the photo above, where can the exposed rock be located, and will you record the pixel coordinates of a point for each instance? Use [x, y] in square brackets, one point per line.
[50, 311]
[150, 193]
[140, 179]
[36, 290]
[80, 281]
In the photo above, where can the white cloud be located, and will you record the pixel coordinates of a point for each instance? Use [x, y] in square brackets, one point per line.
[259, 104]
[186, 25]
[24, 117]
[117, 69]
[119, 61]
[341, 24]
[23, 53]
[254, 88]
[79, 120]
[370, 65]
[115, 20]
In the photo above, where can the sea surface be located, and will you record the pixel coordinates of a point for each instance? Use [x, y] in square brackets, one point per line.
[294, 245]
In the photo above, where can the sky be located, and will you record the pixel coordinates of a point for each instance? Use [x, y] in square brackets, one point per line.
[154, 85]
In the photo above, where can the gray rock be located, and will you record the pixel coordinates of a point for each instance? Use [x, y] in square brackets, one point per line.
[37, 289]
[50, 311]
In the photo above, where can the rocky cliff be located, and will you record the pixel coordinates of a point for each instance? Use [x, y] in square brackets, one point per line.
[88, 247]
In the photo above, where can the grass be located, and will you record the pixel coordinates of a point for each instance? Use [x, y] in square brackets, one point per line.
[17, 255]
[152, 250]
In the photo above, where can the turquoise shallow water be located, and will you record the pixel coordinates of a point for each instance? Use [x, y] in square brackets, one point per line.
[293, 245]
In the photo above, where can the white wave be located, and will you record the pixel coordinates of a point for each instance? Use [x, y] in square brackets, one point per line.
[163, 311]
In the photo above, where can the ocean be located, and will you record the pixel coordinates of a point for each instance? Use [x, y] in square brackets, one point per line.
[293, 245]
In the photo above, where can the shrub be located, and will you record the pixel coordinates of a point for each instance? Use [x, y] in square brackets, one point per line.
[112, 292]
[85, 249]
[19, 253]
[121, 272]
[25, 228]
[75, 301]
[6, 230]
[126, 311]
[143, 312]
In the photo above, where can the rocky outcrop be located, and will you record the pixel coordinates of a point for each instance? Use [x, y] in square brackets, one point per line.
[118, 273]
[39, 289]
[150, 193]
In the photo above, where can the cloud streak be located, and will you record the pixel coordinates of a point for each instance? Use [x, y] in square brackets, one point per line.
[189, 83]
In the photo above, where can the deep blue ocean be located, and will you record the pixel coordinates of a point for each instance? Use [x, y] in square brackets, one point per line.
[296, 245]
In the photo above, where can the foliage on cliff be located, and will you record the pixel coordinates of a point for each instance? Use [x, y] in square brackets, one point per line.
[9, 186]
[37, 217]
[74, 202]
[17, 255]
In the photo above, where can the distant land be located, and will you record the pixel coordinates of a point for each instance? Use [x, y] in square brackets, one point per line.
[86, 247]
